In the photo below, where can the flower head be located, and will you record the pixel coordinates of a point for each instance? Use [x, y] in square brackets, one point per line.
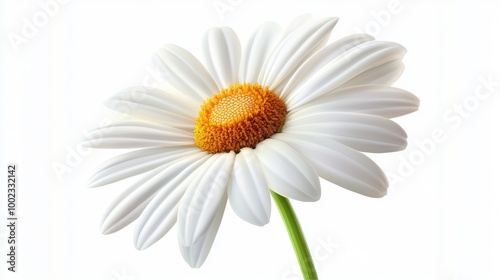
[287, 110]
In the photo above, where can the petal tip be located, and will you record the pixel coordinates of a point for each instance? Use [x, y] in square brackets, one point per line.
[86, 144]
[106, 229]
[140, 245]
[380, 194]
[92, 184]
[311, 197]
[140, 239]
[110, 103]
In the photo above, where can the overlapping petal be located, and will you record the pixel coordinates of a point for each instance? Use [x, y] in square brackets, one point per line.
[129, 205]
[161, 213]
[201, 201]
[339, 164]
[294, 50]
[288, 172]
[377, 100]
[384, 74]
[321, 59]
[196, 253]
[184, 72]
[156, 105]
[341, 70]
[361, 132]
[297, 23]
[248, 192]
[222, 52]
[137, 134]
[257, 51]
[136, 162]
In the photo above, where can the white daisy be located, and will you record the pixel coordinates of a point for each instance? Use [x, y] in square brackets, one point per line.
[278, 115]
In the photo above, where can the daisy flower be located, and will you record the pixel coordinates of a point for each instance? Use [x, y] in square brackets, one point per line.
[267, 120]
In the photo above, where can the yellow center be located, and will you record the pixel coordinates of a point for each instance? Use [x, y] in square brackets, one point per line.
[237, 117]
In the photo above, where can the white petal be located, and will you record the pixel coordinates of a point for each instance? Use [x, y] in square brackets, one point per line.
[184, 72]
[258, 49]
[385, 74]
[297, 23]
[366, 133]
[156, 105]
[339, 164]
[344, 68]
[378, 100]
[222, 52]
[138, 134]
[196, 254]
[287, 172]
[205, 193]
[129, 205]
[161, 213]
[248, 192]
[321, 59]
[136, 162]
[294, 50]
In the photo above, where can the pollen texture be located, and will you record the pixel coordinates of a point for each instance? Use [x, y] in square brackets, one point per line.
[241, 115]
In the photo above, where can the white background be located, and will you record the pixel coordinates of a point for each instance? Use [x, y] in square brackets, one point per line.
[440, 220]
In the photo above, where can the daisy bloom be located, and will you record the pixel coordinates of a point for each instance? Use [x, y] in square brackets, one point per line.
[247, 124]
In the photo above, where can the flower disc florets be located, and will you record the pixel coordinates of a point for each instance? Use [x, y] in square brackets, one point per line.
[241, 115]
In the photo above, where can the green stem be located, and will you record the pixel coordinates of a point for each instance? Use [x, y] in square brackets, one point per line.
[296, 236]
